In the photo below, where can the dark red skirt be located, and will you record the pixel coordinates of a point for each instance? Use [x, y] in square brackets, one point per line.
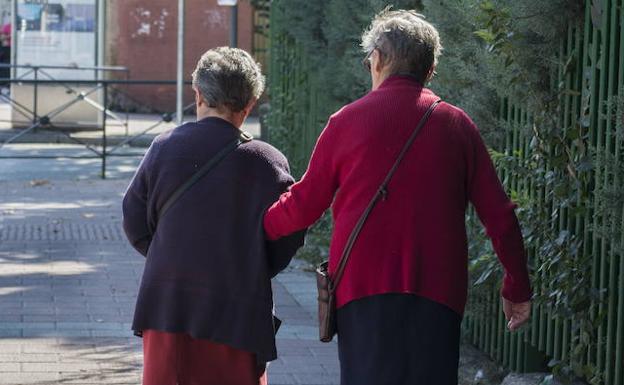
[179, 359]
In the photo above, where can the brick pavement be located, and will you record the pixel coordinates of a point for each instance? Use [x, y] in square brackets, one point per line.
[68, 282]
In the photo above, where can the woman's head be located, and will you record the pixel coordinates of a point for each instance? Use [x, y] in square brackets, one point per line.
[402, 42]
[228, 80]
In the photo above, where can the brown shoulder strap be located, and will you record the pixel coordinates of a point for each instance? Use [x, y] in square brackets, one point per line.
[381, 192]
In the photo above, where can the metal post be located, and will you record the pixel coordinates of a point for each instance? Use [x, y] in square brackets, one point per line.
[127, 106]
[35, 95]
[14, 40]
[105, 93]
[100, 44]
[180, 84]
[234, 26]
[101, 38]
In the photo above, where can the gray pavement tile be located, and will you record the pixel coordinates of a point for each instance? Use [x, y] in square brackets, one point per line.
[316, 379]
[104, 317]
[106, 378]
[306, 368]
[280, 378]
[112, 333]
[31, 378]
[52, 367]
[55, 333]
[6, 357]
[37, 311]
[13, 350]
[328, 350]
[4, 333]
[62, 300]
[27, 325]
[11, 308]
[39, 346]
[93, 325]
[70, 310]
[332, 369]
[8, 367]
[39, 294]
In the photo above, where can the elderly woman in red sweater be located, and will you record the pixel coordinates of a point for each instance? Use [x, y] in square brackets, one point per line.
[401, 298]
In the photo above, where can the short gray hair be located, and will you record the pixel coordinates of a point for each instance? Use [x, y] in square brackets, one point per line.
[228, 77]
[405, 41]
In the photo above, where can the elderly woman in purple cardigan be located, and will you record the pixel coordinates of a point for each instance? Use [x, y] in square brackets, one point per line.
[205, 304]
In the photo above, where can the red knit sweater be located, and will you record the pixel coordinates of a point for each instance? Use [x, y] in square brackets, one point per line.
[415, 240]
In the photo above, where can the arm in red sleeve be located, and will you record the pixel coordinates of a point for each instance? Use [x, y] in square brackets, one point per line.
[496, 212]
[307, 199]
[282, 250]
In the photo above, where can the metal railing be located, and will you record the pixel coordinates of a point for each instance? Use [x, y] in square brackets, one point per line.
[595, 78]
[42, 72]
[45, 122]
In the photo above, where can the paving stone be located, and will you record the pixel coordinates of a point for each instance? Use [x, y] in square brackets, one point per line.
[10, 333]
[26, 357]
[56, 317]
[55, 333]
[316, 379]
[40, 345]
[281, 378]
[8, 367]
[9, 317]
[30, 378]
[48, 367]
[27, 325]
[12, 348]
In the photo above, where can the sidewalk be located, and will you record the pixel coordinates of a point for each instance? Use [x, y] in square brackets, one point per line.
[68, 281]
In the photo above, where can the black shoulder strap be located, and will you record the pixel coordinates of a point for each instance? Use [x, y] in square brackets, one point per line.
[243, 137]
[381, 192]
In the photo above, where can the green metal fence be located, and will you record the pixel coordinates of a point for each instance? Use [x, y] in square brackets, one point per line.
[299, 108]
[594, 77]
[596, 53]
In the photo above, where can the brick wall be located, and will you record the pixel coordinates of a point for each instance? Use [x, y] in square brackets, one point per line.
[142, 35]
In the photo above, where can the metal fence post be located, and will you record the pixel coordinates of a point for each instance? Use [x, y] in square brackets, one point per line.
[104, 130]
[35, 95]
[180, 83]
[234, 26]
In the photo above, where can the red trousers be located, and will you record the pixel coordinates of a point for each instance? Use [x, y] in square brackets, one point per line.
[179, 359]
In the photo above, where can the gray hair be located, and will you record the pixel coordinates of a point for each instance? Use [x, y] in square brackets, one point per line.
[228, 77]
[405, 41]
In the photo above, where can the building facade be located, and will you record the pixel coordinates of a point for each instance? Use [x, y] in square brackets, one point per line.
[142, 36]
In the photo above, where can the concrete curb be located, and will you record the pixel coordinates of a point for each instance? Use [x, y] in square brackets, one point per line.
[58, 138]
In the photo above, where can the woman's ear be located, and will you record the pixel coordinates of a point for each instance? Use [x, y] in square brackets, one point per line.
[430, 74]
[199, 100]
[377, 61]
[250, 106]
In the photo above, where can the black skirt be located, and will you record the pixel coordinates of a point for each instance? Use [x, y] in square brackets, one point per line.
[398, 339]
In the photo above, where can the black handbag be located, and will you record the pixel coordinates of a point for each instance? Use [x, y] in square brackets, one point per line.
[326, 284]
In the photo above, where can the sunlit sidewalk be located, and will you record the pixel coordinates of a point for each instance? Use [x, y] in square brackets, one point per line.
[68, 281]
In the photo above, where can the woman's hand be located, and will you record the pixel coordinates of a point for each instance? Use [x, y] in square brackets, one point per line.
[517, 314]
